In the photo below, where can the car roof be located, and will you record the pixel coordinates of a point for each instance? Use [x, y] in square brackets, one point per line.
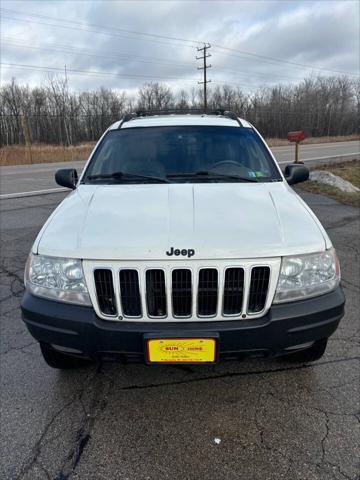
[177, 120]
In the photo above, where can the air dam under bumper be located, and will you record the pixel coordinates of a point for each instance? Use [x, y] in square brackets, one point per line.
[283, 328]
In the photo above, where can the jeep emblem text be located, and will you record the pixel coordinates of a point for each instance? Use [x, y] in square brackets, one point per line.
[184, 252]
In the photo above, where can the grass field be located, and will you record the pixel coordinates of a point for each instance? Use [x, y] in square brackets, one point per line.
[279, 142]
[21, 155]
[349, 171]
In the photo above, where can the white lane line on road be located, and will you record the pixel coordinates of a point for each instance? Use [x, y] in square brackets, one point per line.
[322, 158]
[58, 190]
[5, 196]
[18, 170]
[309, 146]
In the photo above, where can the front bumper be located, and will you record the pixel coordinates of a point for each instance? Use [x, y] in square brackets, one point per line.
[286, 327]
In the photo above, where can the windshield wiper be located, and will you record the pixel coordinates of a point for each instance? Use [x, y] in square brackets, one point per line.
[206, 173]
[125, 175]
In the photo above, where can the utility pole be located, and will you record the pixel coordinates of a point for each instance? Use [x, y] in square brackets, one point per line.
[204, 68]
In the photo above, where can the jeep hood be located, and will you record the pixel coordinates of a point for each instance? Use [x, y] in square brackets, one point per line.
[217, 220]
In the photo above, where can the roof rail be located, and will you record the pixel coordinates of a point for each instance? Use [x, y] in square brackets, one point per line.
[171, 111]
[126, 118]
[178, 111]
[227, 114]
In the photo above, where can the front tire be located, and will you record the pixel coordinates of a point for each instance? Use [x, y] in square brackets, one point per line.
[59, 360]
[315, 352]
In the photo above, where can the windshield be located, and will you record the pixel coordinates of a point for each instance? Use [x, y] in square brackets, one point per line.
[181, 154]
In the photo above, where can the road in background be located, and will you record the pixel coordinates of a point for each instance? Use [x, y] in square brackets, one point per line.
[29, 178]
[237, 420]
[318, 152]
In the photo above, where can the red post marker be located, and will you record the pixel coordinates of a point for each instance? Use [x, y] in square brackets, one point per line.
[296, 136]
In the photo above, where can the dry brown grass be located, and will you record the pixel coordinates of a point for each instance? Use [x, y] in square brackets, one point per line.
[349, 171]
[22, 155]
[279, 142]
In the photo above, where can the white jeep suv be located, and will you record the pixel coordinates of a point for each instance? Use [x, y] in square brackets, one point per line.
[181, 242]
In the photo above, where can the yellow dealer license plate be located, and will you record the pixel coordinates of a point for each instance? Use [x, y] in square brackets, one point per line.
[181, 350]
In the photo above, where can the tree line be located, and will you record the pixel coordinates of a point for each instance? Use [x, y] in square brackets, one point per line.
[53, 114]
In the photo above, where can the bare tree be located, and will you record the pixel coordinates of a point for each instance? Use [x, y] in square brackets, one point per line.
[155, 96]
[53, 114]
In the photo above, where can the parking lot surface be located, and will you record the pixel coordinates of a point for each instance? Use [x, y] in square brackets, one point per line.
[240, 420]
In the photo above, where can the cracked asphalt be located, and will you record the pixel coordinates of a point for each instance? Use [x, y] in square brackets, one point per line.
[271, 419]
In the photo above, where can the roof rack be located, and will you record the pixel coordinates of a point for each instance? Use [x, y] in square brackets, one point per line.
[127, 117]
[178, 111]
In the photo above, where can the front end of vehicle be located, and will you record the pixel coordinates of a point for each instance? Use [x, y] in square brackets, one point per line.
[251, 307]
[182, 242]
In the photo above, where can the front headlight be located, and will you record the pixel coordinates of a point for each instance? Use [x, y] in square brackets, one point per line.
[59, 279]
[304, 276]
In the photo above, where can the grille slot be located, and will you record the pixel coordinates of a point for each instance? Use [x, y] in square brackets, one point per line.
[207, 292]
[155, 293]
[233, 291]
[181, 292]
[259, 285]
[130, 293]
[105, 291]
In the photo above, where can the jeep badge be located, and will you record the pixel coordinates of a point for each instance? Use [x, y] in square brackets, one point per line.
[184, 252]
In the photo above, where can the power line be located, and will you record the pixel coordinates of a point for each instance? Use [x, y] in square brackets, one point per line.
[132, 32]
[112, 74]
[69, 49]
[273, 59]
[105, 74]
[205, 66]
[96, 74]
[141, 59]
[236, 84]
[186, 42]
[256, 74]
[96, 31]
[90, 73]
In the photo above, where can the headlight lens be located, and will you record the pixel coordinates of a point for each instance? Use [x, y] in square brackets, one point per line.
[307, 276]
[59, 279]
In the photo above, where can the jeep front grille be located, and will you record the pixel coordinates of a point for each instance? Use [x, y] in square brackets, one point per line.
[181, 292]
[233, 291]
[258, 288]
[130, 293]
[105, 291]
[155, 293]
[144, 292]
[207, 292]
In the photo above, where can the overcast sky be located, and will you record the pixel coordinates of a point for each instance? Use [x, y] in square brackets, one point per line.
[96, 36]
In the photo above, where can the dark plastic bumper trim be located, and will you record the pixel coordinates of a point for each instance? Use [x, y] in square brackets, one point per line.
[284, 326]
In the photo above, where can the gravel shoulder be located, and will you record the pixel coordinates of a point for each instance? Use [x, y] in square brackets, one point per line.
[349, 171]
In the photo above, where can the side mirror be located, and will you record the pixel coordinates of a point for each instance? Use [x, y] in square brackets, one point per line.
[296, 173]
[67, 177]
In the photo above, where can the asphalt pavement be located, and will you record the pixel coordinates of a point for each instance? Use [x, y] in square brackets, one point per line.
[41, 177]
[246, 420]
